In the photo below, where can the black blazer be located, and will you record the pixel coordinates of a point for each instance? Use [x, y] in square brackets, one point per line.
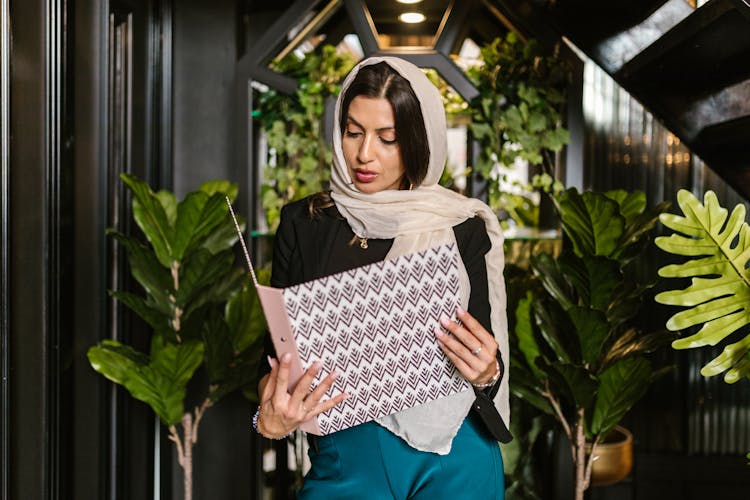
[309, 247]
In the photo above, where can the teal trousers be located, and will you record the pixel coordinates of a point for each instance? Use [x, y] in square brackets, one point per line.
[367, 462]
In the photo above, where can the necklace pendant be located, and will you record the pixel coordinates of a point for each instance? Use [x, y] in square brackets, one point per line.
[363, 243]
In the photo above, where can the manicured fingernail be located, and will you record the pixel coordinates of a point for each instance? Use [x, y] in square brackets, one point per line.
[270, 361]
[444, 320]
[286, 358]
[438, 332]
[460, 311]
[335, 374]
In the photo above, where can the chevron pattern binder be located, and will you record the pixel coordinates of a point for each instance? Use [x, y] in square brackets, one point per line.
[374, 324]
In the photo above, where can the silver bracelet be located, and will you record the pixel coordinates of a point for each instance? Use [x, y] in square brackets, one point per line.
[491, 381]
[255, 426]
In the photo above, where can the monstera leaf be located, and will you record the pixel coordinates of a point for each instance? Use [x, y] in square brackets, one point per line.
[719, 295]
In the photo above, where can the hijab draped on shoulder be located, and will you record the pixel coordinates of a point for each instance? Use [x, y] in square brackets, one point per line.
[418, 219]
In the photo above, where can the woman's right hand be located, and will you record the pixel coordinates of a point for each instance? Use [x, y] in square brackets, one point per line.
[281, 412]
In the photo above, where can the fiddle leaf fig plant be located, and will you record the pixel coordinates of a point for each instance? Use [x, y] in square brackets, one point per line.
[576, 352]
[717, 248]
[201, 310]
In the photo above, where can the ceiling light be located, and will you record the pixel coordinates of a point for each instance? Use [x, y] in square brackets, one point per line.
[408, 1]
[411, 17]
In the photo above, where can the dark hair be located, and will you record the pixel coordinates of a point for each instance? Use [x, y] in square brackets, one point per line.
[381, 81]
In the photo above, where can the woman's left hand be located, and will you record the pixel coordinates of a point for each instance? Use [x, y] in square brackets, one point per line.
[470, 347]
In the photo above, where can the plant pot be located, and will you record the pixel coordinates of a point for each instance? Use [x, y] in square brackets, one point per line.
[613, 458]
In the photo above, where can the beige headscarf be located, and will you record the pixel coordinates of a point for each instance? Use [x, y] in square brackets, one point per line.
[418, 219]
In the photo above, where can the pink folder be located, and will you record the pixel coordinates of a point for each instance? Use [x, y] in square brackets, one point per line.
[374, 324]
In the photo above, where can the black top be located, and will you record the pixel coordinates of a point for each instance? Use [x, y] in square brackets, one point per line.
[308, 247]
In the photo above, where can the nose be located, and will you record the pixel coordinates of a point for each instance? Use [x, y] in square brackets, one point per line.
[365, 154]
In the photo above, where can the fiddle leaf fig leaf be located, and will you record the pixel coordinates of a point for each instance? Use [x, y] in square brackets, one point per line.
[151, 217]
[159, 380]
[525, 334]
[557, 330]
[632, 203]
[200, 270]
[244, 314]
[189, 213]
[719, 294]
[527, 386]
[592, 329]
[213, 214]
[592, 221]
[222, 187]
[576, 381]
[621, 385]
[147, 271]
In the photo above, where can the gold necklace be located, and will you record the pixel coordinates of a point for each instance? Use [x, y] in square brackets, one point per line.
[362, 242]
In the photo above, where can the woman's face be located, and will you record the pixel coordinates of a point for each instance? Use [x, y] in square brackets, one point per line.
[372, 154]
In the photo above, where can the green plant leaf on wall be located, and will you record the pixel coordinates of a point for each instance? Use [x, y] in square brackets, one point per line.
[719, 294]
[159, 380]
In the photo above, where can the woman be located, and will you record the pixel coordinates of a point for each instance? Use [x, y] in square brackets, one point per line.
[389, 152]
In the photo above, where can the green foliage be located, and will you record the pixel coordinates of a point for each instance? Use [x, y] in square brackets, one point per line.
[718, 298]
[573, 345]
[517, 113]
[159, 380]
[294, 128]
[193, 300]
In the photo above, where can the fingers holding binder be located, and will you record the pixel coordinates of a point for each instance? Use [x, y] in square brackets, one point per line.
[282, 409]
[470, 347]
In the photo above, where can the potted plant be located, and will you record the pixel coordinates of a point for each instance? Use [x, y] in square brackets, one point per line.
[576, 353]
[195, 304]
[516, 120]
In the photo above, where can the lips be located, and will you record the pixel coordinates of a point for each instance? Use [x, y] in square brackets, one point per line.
[365, 176]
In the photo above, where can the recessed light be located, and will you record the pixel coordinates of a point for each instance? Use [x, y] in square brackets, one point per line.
[408, 1]
[411, 17]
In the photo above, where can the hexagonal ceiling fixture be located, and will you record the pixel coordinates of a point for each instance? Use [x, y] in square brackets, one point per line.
[366, 28]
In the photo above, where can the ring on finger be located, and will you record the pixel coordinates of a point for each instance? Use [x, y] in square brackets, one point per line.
[476, 351]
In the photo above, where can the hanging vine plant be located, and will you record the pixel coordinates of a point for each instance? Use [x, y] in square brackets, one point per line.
[299, 158]
[516, 116]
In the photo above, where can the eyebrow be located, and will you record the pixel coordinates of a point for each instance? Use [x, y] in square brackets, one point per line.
[381, 129]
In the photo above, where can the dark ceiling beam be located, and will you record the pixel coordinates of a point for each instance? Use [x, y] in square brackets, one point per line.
[443, 64]
[363, 25]
[254, 64]
[453, 26]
